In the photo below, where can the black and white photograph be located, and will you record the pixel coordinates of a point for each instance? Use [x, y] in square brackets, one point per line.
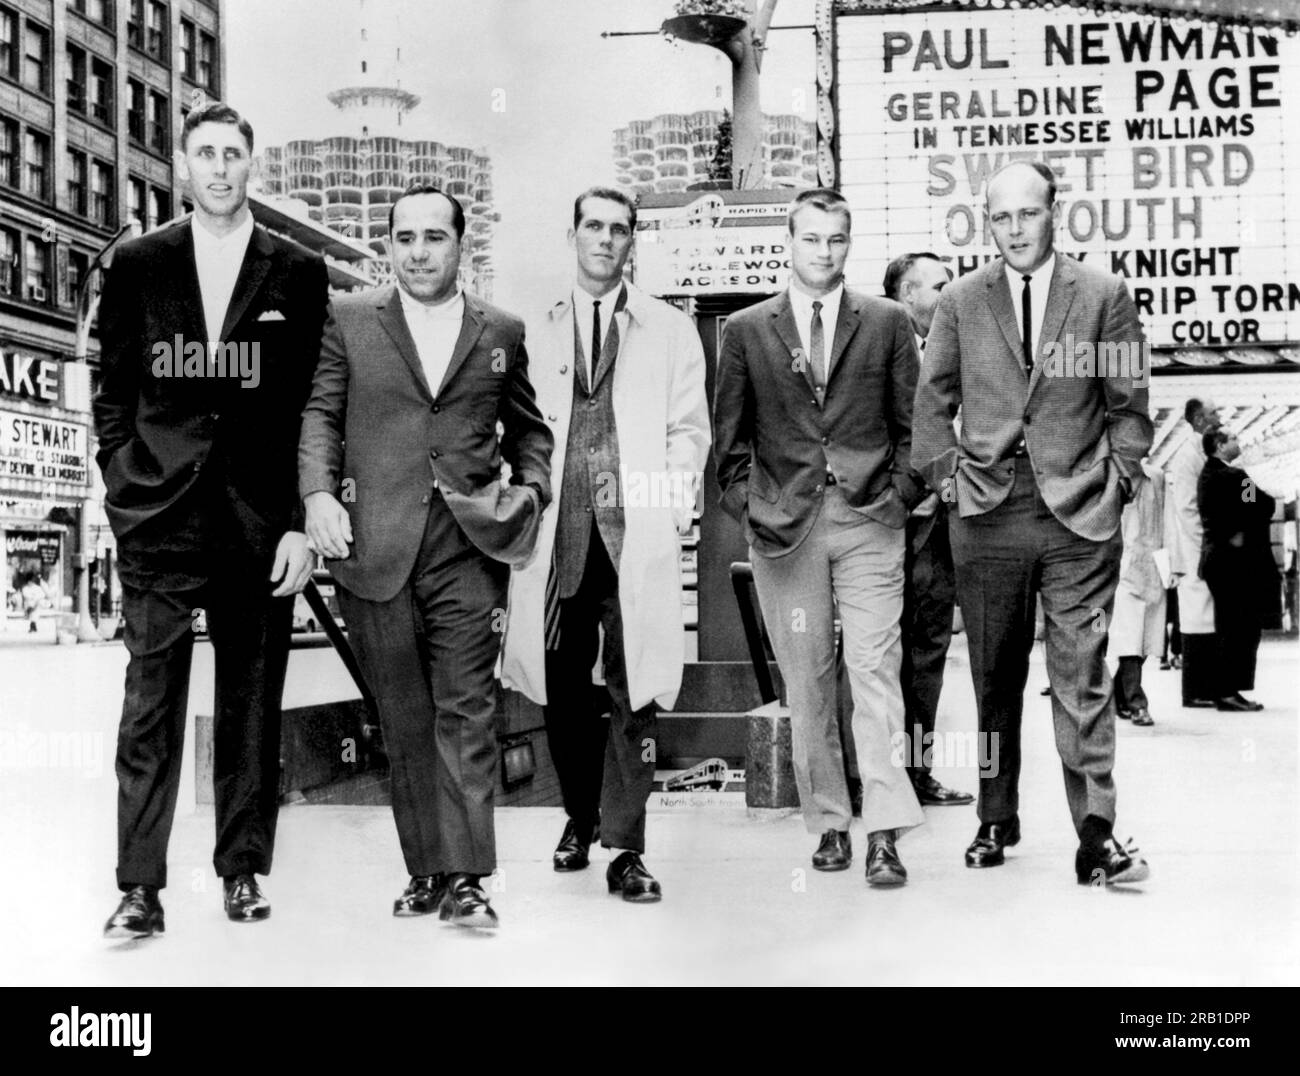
[679, 493]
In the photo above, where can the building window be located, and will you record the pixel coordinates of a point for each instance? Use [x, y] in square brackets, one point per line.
[101, 92]
[8, 43]
[36, 177]
[208, 61]
[135, 24]
[78, 267]
[160, 208]
[135, 200]
[36, 59]
[76, 79]
[77, 188]
[159, 128]
[135, 110]
[100, 11]
[8, 261]
[37, 276]
[8, 152]
[101, 195]
[156, 39]
[189, 61]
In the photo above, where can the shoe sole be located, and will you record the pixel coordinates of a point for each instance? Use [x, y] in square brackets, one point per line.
[569, 869]
[887, 880]
[946, 803]
[122, 933]
[411, 913]
[474, 922]
[255, 917]
[830, 868]
[638, 898]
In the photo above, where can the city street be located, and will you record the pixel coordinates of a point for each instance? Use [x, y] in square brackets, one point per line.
[1210, 798]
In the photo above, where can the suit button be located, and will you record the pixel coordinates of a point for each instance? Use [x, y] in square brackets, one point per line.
[424, 499]
[813, 402]
[592, 450]
[586, 508]
[817, 488]
[215, 415]
[433, 454]
[435, 409]
[564, 369]
[198, 464]
[826, 440]
[552, 418]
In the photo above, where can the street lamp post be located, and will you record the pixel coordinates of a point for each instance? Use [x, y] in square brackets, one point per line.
[87, 304]
[744, 48]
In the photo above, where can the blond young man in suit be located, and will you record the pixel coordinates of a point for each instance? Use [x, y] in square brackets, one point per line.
[400, 467]
[812, 420]
[1050, 450]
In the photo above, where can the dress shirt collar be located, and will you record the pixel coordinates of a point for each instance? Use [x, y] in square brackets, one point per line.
[205, 242]
[452, 309]
[1039, 278]
[802, 302]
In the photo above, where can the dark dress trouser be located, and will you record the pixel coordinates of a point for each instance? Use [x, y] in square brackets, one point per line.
[929, 599]
[603, 766]
[250, 641]
[1003, 559]
[428, 655]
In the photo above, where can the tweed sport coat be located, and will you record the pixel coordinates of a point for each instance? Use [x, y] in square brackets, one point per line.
[1084, 428]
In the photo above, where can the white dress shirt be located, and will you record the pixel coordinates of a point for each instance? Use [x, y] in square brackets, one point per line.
[435, 330]
[218, 260]
[583, 303]
[1040, 283]
[801, 303]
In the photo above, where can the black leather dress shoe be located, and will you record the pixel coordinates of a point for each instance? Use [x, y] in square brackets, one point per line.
[835, 853]
[1198, 704]
[421, 897]
[1142, 716]
[992, 837]
[244, 900]
[571, 854]
[465, 904]
[1255, 706]
[929, 793]
[627, 875]
[883, 865]
[139, 914]
[1234, 704]
[1123, 715]
[1110, 864]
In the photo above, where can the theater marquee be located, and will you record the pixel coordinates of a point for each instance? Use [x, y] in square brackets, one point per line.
[1174, 147]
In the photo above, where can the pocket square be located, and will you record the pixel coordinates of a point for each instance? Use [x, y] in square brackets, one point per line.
[270, 315]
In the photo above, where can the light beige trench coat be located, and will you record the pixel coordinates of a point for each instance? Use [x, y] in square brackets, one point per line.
[662, 416]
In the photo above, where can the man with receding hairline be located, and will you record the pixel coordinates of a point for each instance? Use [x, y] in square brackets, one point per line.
[1042, 467]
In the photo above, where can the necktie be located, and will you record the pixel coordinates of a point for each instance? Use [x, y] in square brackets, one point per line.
[551, 610]
[1027, 327]
[817, 348]
[593, 352]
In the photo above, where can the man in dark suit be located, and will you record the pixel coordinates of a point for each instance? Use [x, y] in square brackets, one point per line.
[1050, 377]
[812, 413]
[400, 472]
[930, 591]
[1238, 566]
[210, 331]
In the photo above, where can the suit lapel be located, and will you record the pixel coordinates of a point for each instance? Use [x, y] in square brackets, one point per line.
[1000, 302]
[788, 331]
[846, 326]
[394, 323]
[257, 263]
[471, 328]
[1060, 296]
[186, 278]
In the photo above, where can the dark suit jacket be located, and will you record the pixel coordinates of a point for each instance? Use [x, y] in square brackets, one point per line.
[157, 431]
[772, 442]
[1083, 430]
[374, 423]
[1237, 551]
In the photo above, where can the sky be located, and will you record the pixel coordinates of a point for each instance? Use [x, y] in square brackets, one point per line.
[531, 82]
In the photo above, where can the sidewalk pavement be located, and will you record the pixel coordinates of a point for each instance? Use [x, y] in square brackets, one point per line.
[1211, 799]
